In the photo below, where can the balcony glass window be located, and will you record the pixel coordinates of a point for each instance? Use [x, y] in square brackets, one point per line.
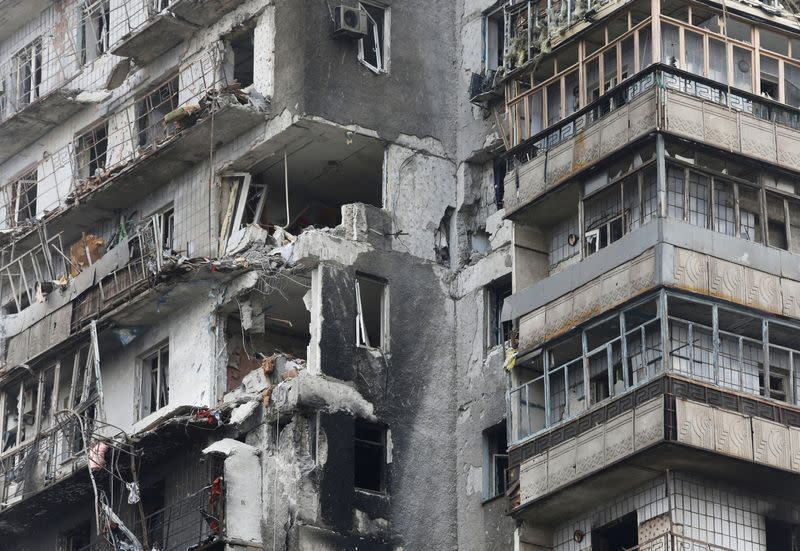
[712, 342]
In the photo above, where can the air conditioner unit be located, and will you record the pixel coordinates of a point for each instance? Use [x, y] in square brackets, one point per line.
[350, 21]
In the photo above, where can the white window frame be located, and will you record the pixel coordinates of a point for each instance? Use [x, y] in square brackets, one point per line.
[145, 370]
[93, 46]
[362, 336]
[489, 39]
[372, 26]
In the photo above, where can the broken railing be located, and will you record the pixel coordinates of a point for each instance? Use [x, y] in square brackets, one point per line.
[671, 541]
[131, 133]
[36, 70]
[657, 76]
[22, 276]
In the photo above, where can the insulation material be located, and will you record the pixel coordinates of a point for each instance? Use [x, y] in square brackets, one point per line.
[88, 250]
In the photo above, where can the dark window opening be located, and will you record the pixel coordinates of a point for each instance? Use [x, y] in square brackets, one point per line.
[617, 535]
[494, 39]
[77, 539]
[155, 380]
[782, 536]
[94, 30]
[370, 457]
[167, 229]
[21, 196]
[150, 113]
[370, 311]
[154, 504]
[243, 57]
[373, 48]
[498, 291]
[91, 150]
[495, 447]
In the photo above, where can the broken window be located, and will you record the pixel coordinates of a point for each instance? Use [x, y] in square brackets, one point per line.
[20, 197]
[493, 39]
[91, 149]
[496, 293]
[564, 241]
[371, 299]
[750, 214]
[622, 533]
[150, 113]
[495, 450]
[776, 222]
[155, 380]
[370, 457]
[243, 48]
[26, 77]
[603, 219]
[93, 32]
[166, 228]
[373, 49]
[76, 539]
[782, 536]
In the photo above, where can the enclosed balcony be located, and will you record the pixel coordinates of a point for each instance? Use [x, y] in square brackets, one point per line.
[670, 381]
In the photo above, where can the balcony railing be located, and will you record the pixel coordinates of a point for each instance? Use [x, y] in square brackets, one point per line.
[703, 340]
[35, 71]
[656, 76]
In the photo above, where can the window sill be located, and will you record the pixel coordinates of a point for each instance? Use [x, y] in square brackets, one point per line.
[488, 500]
[371, 493]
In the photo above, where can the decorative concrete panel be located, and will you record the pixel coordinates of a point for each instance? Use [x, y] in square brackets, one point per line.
[771, 443]
[790, 290]
[619, 437]
[532, 329]
[683, 116]
[559, 162]
[720, 126]
[524, 184]
[590, 451]
[690, 270]
[648, 423]
[794, 448]
[788, 147]
[763, 291]
[533, 478]
[615, 132]
[727, 280]
[758, 138]
[587, 146]
[695, 424]
[642, 115]
[559, 316]
[733, 434]
[650, 529]
[560, 465]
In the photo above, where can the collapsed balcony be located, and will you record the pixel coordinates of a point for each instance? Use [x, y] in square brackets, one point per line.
[145, 29]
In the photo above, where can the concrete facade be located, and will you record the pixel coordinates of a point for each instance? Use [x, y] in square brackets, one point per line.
[252, 279]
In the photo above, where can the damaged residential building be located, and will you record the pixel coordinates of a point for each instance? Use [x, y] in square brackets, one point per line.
[253, 259]
[652, 177]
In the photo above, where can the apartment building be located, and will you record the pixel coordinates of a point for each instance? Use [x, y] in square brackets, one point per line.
[653, 163]
[253, 257]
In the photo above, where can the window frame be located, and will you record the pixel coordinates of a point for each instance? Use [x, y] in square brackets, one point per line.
[145, 403]
[383, 445]
[88, 19]
[361, 334]
[384, 56]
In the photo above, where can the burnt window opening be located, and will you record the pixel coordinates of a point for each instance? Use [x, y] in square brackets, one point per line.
[373, 49]
[91, 150]
[154, 505]
[782, 536]
[243, 50]
[371, 306]
[161, 5]
[166, 228]
[20, 197]
[77, 539]
[150, 113]
[618, 535]
[496, 293]
[155, 380]
[93, 31]
[495, 447]
[370, 457]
